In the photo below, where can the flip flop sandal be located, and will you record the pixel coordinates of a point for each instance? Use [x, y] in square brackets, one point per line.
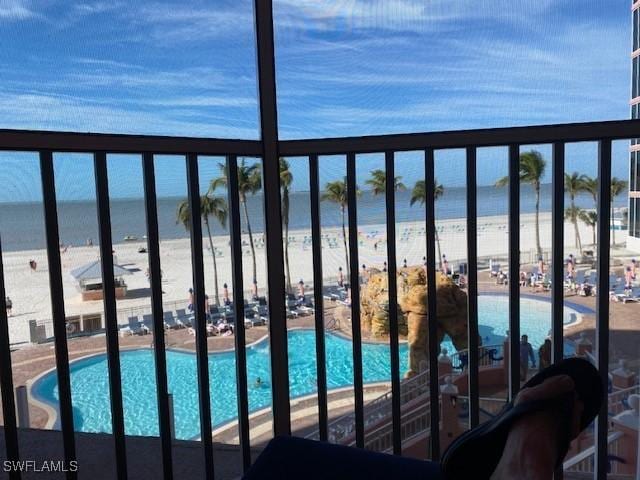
[476, 453]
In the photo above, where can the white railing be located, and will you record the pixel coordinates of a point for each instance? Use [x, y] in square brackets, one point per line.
[618, 398]
[379, 408]
[583, 462]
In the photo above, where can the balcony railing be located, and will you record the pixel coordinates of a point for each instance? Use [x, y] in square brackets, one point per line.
[99, 146]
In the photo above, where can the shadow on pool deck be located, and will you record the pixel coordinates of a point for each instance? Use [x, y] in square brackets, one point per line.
[96, 457]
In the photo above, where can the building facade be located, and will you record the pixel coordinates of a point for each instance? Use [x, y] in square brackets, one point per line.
[633, 241]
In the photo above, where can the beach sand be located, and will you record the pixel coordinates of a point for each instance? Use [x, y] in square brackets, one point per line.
[29, 290]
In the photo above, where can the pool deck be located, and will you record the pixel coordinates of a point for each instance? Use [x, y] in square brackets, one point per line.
[31, 361]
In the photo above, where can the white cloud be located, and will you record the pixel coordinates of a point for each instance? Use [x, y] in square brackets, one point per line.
[15, 10]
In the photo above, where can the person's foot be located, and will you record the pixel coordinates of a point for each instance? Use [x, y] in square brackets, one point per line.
[532, 447]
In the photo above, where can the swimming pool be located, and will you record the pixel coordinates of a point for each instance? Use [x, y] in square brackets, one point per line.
[90, 388]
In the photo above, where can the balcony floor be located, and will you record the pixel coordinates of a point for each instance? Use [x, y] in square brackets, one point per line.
[96, 457]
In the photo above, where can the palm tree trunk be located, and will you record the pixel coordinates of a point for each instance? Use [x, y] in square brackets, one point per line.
[578, 241]
[285, 219]
[253, 248]
[215, 266]
[613, 225]
[538, 246]
[344, 240]
[574, 220]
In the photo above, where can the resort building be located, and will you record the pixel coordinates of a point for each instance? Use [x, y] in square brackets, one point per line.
[633, 240]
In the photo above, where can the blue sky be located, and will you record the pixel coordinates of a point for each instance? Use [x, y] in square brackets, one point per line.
[345, 67]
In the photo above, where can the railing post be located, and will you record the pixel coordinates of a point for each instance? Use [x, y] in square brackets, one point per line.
[22, 405]
[273, 218]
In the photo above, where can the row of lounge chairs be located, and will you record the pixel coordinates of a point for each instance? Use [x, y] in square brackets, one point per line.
[218, 317]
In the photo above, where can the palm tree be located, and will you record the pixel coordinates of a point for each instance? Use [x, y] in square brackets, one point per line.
[378, 182]
[618, 186]
[590, 218]
[573, 184]
[532, 165]
[590, 185]
[286, 178]
[249, 183]
[215, 207]
[419, 194]
[573, 213]
[336, 192]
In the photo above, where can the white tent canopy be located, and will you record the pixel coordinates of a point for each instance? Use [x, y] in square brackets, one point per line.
[93, 271]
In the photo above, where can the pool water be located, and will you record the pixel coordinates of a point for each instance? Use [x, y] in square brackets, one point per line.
[90, 388]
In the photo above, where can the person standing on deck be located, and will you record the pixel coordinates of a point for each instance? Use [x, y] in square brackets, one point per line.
[301, 297]
[254, 290]
[445, 265]
[9, 306]
[340, 277]
[190, 305]
[225, 295]
[526, 354]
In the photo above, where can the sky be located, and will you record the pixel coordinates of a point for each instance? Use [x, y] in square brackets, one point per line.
[344, 67]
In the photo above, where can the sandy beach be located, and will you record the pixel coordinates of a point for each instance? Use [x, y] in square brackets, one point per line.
[29, 290]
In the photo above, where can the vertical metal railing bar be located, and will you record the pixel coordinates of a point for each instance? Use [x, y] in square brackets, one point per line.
[57, 307]
[110, 311]
[155, 276]
[318, 300]
[602, 301]
[238, 302]
[356, 334]
[557, 260]
[278, 340]
[514, 270]
[432, 306]
[472, 287]
[6, 380]
[394, 348]
[200, 320]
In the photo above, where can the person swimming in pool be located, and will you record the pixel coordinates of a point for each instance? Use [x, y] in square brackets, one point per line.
[258, 382]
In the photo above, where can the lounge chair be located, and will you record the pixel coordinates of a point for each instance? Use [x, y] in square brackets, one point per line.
[495, 269]
[133, 327]
[169, 320]
[147, 322]
[215, 314]
[622, 294]
[182, 318]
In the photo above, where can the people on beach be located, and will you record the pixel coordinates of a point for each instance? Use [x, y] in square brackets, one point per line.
[384, 267]
[340, 277]
[225, 295]
[404, 263]
[526, 354]
[9, 304]
[33, 265]
[364, 275]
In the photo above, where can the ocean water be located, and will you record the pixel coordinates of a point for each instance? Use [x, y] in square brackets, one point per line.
[22, 224]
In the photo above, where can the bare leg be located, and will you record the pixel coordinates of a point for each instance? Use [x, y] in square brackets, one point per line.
[531, 449]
